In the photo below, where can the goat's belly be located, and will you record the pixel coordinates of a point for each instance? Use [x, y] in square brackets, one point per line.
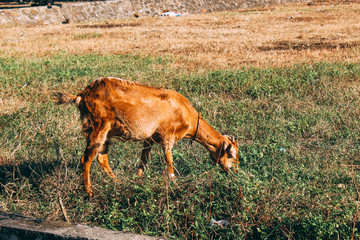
[135, 131]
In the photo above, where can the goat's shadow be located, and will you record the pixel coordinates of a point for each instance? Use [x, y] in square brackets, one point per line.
[39, 159]
[31, 171]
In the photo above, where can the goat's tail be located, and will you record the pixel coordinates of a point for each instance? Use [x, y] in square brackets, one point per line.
[64, 98]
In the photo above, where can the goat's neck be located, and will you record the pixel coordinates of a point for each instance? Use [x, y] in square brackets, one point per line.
[209, 137]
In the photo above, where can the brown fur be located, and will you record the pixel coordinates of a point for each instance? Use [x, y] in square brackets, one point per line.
[112, 107]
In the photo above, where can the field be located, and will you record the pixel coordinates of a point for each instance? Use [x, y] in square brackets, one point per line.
[283, 80]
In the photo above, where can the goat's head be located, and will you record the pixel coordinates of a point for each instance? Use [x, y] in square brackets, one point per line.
[227, 155]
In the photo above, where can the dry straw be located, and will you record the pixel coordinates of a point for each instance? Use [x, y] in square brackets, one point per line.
[259, 37]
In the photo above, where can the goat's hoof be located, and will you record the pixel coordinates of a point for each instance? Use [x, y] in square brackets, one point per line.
[115, 179]
[89, 192]
[140, 173]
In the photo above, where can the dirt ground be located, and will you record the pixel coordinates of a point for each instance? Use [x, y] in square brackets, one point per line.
[274, 36]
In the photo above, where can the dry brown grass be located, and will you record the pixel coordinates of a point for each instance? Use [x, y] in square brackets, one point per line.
[276, 36]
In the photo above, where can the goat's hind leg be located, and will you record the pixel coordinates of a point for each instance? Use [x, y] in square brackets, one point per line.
[95, 142]
[145, 156]
[103, 159]
[86, 160]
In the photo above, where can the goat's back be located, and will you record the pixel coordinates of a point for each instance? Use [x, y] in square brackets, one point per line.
[143, 110]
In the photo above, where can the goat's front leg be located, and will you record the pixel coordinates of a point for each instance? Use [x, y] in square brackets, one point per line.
[167, 146]
[145, 156]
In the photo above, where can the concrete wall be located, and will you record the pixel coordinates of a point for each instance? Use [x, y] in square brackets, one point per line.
[89, 11]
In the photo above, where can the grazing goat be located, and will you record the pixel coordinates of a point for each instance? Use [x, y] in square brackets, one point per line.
[112, 107]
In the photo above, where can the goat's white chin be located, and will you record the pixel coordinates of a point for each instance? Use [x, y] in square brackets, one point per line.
[230, 169]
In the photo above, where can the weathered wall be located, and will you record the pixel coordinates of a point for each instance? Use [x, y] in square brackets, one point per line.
[88, 11]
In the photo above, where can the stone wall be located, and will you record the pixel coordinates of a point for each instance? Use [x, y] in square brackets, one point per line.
[89, 11]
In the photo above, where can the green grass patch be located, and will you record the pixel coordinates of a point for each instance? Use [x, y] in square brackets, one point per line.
[88, 36]
[298, 134]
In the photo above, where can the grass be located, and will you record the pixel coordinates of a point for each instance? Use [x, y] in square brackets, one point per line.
[291, 100]
[297, 129]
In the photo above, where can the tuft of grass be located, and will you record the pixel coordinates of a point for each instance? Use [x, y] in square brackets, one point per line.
[297, 129]
[88, 36]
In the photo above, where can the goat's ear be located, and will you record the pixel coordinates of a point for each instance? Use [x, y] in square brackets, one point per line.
[232, 138]
[222, 149]
[225, 149]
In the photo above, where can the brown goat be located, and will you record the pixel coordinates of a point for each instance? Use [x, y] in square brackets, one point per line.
[112, 107]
